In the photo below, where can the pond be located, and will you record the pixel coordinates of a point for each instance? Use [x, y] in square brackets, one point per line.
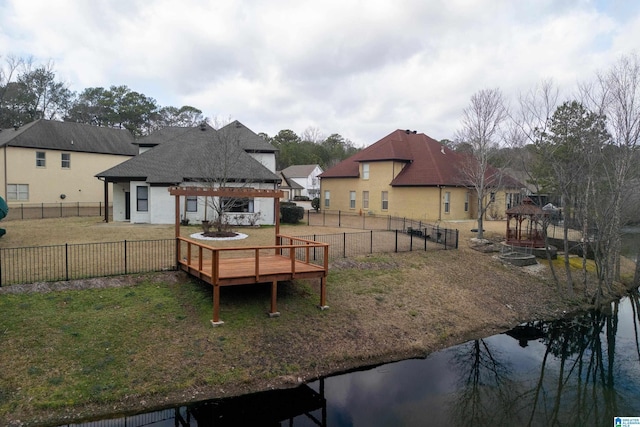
[579, 371]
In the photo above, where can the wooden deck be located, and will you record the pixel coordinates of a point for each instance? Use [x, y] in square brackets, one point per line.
[291, 258]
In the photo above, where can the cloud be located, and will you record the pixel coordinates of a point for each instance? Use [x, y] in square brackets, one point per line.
[361, 69]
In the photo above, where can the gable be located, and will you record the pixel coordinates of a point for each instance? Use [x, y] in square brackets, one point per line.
[427, 162]
[199, 154]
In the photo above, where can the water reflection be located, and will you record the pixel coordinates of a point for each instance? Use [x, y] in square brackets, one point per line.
[579, 371]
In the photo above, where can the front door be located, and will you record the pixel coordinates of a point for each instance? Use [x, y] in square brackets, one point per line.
[127, 205]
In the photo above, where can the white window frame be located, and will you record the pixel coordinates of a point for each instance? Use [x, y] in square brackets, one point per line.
[466, 202]
[142, 203]
[65, 163]
[385, 200]
[327, 198]
[352, 199]
[447, 202]
[365, 200]
[41, 159]
[18, 192]
[365, 171]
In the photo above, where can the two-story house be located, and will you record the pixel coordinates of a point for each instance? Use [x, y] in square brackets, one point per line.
[407, 174]
[48, 161]
[306, 176]
[233, 156]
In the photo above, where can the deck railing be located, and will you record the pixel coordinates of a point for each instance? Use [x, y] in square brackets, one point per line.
[194, 255]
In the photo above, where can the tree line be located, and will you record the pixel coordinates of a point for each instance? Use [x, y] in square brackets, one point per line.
[30, 91]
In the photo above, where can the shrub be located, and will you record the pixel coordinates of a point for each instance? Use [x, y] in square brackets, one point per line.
[301, 198]
[291, 214]
[315, 203]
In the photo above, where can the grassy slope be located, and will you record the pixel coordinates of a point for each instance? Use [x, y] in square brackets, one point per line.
[77, 353]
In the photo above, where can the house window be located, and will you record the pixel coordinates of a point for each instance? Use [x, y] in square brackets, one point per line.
[493, 196]
[41, 159]
[365, 171]
[466, 202]
[365, 200]
[232, 204]
[385, 200]
[66, 160]
[447, 202]
[142, 198]
[192, 204]
[327, 198]
[352, 199]
[17, 191]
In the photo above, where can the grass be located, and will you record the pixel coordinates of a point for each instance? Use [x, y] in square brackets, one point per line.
[73, 354]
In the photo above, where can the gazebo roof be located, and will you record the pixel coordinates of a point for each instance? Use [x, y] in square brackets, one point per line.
[526, 208]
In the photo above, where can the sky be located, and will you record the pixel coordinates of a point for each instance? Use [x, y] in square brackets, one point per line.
[361, 69]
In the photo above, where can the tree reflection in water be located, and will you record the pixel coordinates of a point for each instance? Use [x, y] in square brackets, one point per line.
[578, 380]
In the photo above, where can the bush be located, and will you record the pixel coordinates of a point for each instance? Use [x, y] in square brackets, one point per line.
[301, 198]
[315, 204]
[291, 214]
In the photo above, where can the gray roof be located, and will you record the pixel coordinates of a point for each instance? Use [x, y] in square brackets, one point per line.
[299, 171]
[289, 184]
[161, 135]
[198, 154]
[70, 136]
[248, 139]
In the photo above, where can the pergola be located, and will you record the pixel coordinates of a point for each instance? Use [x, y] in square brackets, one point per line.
[289, 258]
[525, 225]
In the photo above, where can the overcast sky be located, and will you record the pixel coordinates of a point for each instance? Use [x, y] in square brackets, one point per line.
[358, 68]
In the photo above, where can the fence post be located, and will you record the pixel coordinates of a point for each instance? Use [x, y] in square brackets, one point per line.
[66, 261]
[446, 231]
[42, 210]
[60, 209]
[309, 217]
[339, 218]
[410, 242]
[396, 240]
[371, 242]
[457, 231]
[314, 248]
[125, 256]
[78, 208]
[324, 215]
[364, 217]
[425, 238]
[344, 245]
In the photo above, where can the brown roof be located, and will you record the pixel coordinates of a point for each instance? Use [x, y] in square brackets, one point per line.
[428, 163]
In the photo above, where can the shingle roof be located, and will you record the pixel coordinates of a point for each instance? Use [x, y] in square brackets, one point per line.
[70, 136]
[286, 183]
[428, 163]
[299, 171]
[162, 135]
[195, 155]
[248, 139]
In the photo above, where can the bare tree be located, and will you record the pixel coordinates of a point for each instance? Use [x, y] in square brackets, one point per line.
[228, 164]
[616, 94]
[482, 124]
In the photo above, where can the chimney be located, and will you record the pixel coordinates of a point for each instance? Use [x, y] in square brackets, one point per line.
[203, 126]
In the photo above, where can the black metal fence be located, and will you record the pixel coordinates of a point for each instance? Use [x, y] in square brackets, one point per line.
[439, 235]
[55, 210]
[87, 260]
[345, 245]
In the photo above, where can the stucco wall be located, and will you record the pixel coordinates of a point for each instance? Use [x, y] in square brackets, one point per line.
[46, 184]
